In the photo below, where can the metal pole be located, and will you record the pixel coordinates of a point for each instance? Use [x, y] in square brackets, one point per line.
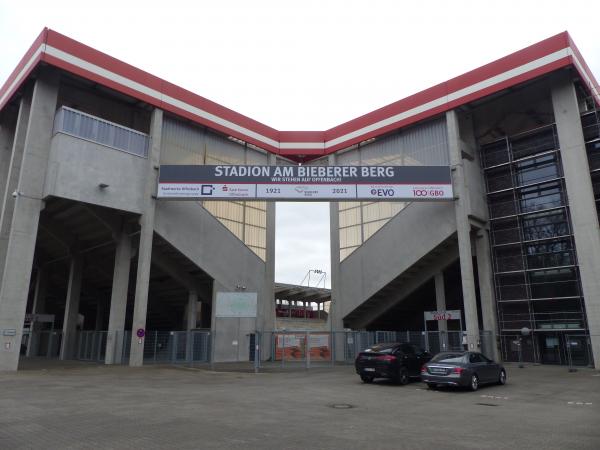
[569, 356]
[307, 349]
[521, 366]
[155, 339]
[256, 349]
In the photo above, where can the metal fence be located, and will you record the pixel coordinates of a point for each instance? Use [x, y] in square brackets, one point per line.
[317, 348]
[161, 347]
[565, 348]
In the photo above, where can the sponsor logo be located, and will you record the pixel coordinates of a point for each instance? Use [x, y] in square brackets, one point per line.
[206, 189]
[383, 192]
[225, 188]
[306, 191]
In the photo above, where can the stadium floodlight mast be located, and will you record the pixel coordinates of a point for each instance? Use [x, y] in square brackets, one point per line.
[321, 275]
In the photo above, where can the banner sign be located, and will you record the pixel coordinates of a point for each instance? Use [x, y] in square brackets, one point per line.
[236, 304]
[443, 315]
[320, 183]
[293, 346]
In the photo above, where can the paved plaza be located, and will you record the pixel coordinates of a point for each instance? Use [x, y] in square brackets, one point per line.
[75, 405]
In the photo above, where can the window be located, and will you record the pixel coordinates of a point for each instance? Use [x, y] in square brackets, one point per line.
[540, 197]
[549, 254]
[475, 358]
[536, 170]
[449, 358]
[407, 349]
[554, 283]
[545, 225]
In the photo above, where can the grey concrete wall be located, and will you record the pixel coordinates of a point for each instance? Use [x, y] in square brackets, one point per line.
[581, 201]
[211, 246]
[77, 167]
[414, 232]
[230, 336]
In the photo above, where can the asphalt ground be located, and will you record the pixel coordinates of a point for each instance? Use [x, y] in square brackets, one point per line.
[74, 405]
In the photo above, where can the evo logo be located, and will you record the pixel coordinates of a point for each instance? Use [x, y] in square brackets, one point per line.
[387, 192]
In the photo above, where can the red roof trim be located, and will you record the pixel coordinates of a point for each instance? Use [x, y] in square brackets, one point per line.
[68, 54]
[6, 87]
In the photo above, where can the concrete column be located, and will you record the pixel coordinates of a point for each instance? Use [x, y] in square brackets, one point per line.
[69, 331]
[191, 313]
[140, 309]
[39, 306]
[11, 181]
[6, 142]
[266, 320]
[486, 287]
[440, 299]
[118, 300]
[581, 201]
[463, 230]
[336, 321]
[99, 316]
[24, 225]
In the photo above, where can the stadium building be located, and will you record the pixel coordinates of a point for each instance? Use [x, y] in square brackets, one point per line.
[86, 245]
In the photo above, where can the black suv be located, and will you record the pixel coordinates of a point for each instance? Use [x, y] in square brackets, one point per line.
[397, 361]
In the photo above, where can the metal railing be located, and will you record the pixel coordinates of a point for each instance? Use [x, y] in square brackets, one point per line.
[92, 128]
[161, 347]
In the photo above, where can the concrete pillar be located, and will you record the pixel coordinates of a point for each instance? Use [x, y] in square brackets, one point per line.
[11, 181]
[99, 326]
[486, 288]
[440, 299]
[463, 230]
[191, 313]
[6, 142]
[140, 309]
[69, 331]
[336, 320]
[581, 201]
[39, 306]
[266, 320]
[118, 300]
[24, 225]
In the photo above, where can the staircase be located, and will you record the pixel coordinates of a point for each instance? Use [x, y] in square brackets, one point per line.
[404, 254]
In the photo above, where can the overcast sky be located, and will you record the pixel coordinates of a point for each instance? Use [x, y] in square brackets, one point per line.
[302, 65]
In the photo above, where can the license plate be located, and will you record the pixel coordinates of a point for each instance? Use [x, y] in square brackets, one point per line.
[369, 369]
[438, 371]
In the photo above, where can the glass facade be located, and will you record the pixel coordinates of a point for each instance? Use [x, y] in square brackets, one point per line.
[591, 133]
[425, 144]
[536, 276]
[188, 144]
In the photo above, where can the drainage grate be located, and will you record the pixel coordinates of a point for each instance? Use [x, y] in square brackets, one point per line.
[341, 406]
[486, 404]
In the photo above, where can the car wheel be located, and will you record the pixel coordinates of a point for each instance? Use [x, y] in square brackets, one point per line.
[502, 378]
[403, 377]
[474, 384]
[366, 379]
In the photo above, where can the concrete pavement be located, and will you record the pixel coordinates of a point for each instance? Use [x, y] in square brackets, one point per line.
[77, 405]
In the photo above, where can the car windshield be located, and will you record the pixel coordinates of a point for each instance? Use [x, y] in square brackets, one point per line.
[382, 348]
[449, 358]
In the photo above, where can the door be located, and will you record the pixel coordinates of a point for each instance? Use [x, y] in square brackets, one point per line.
[551, 348]
[577, 350]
